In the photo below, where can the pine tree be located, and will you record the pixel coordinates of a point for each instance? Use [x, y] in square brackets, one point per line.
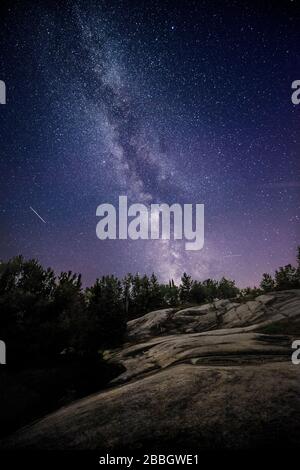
[156, 297]
[211, 289]
[286, 277]
[185, 288]
[197, 292]
[267, 284]
[227, 289]
[126, 289]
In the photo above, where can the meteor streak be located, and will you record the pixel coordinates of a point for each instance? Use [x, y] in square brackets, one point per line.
[37, 214]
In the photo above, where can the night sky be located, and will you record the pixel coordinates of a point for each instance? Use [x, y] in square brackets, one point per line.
[186, 102]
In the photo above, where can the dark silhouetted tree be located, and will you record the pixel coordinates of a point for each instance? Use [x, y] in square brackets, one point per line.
[156, 300]
[211, 289]
[106, 309]
[267, 283]
[170, 293]
[226, 289]
[185, 288]
[286, 278]
[198, 292]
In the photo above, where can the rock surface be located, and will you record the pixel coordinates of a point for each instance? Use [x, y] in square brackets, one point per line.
[219, 314]
[214, 376]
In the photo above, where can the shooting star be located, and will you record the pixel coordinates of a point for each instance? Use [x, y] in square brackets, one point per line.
[231, 256]
[37, 214]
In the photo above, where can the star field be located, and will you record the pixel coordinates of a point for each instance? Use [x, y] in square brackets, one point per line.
[186, 102]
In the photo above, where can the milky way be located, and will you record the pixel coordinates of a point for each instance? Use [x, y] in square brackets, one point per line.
[184, 102]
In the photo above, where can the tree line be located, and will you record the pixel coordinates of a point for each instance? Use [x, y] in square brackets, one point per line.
[43, 315]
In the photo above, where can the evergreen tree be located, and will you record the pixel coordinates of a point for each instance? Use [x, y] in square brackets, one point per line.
[185, 288]
[126, 289]
[286, 278]
[170, 293]
[226, 289]
[211, 289]
[156, 297]
[267, 284]
[106, 310]
[198, 292]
